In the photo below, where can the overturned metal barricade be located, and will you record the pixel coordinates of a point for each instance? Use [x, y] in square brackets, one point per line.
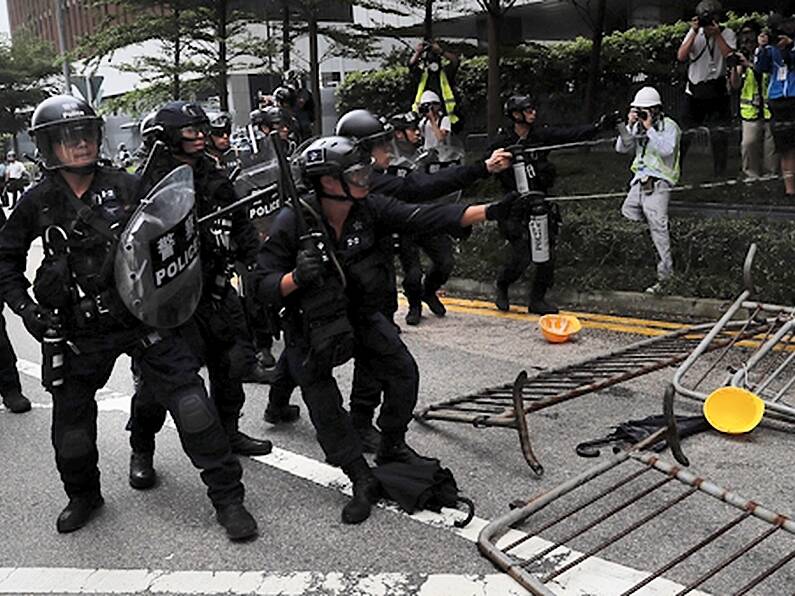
[642, 498]
[766, 368]
[508, 405]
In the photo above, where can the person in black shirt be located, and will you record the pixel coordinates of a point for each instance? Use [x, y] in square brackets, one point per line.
[348, 221]
[78, 209]
[521, 110]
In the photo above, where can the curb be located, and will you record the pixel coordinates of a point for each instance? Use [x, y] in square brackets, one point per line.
[609, 302]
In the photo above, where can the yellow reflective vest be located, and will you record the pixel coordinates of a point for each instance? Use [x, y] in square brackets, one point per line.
[749, 96]
[447, 94]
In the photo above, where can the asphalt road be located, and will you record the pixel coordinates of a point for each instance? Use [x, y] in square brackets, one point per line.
[166, 540]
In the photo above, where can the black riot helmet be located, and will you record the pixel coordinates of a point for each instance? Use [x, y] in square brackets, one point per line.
[518, 103]
[285, 96]
[340, 157]
[270, 117]
[405, 120]
[178, 121]
[67, 133]
[364, 127]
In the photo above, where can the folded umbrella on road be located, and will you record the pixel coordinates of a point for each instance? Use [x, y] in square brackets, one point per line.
[634, 431]
[425, 485]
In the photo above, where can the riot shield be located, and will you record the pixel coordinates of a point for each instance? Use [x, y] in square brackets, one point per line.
[258, 170]
[157, 266]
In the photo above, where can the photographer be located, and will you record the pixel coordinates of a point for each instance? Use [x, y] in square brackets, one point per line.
[434, 125]
[655, 140]
[706, 47]
[778, 61]
[757, 149]
[429, 73]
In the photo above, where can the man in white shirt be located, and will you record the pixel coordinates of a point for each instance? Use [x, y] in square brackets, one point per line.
[706, 47]
[15, 178]
[435, 126]
[654, 138]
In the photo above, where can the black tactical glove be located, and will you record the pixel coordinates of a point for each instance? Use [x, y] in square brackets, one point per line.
[507, 208]
[37, 318]
[608, 121]
[308, 268]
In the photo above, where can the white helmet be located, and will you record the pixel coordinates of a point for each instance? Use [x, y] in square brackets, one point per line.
[647, 97]
[429, 97]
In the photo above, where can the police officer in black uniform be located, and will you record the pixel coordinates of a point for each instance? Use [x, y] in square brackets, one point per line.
[219, 140]
[218, 330]
[78, 209]
[305, 280]
[10, 387]
[521, 111]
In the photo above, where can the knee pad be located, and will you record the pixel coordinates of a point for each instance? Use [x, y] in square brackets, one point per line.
[75, 443]
[194, 413]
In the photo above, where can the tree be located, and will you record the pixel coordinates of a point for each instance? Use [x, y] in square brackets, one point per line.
[26, 70]
[495, 10]
[597, 25]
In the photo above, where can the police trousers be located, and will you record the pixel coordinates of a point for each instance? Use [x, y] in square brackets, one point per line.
[380, 350]
[9, 376]
[519, 257]
[439, 249]
[168, 366]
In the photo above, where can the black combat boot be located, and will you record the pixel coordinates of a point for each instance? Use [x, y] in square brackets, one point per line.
[265, 358]
[365, 491]
[393, 448]
[142, 472]
[15, 401]
[433, 302]
[259, 373]
[242, 444]
[538, 305]
[415, 313]
[78, 512]
[501, 300]
[237, 521]
[281, 414]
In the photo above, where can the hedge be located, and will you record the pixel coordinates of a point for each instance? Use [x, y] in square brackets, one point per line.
[600, 250]
[556, 74]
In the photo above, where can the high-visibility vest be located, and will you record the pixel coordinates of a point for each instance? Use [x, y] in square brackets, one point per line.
[447, 94]
[663, 167]
[750, 96]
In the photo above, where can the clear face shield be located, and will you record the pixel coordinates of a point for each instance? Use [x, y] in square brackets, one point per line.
[73, 145]
[359, 175]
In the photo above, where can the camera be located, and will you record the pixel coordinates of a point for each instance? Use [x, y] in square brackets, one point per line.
[643, 114]
[424, 108]
[705, 19]
[732, 60]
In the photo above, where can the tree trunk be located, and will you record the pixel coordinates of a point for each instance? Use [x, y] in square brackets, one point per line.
[223, 92]
[314, 73]
[596, 54]
[285, 37]
[175, 83]
[493, 90]
[428, 20]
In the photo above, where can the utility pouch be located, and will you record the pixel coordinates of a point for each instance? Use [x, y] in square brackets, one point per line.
[52, 285]
[326, 327]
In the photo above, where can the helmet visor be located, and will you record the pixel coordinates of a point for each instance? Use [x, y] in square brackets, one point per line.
[359, 174]
[72, 145]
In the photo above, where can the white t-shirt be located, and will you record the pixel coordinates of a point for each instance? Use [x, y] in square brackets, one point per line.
[706, 60]
[15, 170]
[429, 138]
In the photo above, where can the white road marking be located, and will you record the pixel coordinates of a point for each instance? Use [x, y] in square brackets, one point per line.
[594, 577]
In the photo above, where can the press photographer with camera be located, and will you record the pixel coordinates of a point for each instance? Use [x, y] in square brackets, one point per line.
[430, 72]
[778, 61]
[706, 48]
[655, 139]
[434, 125]
[757, 149]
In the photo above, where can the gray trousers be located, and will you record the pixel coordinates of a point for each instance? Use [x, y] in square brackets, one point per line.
[652, 207]
[758, 150]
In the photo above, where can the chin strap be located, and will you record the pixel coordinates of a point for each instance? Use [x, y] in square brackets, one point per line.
[346, 199]
[83, 170]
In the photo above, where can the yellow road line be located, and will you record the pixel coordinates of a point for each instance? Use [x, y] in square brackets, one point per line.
[588, 320]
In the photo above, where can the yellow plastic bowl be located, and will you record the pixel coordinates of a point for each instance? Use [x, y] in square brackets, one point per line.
[557, 329]
[733, 410]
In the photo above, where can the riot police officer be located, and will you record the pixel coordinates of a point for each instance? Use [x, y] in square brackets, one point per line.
[219, 140]
[521, 111]
[79, 209]
[218, 330]
[303, 273]
[277, 118]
